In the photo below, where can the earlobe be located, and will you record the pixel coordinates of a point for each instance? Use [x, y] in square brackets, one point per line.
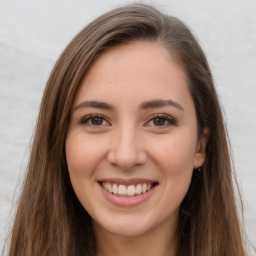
[201, 148]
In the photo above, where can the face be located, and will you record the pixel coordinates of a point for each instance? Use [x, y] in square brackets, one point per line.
[132, 142]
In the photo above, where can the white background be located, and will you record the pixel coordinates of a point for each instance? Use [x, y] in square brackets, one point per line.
[34, 33]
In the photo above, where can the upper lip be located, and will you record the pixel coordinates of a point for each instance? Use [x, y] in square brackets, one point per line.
[127, 182]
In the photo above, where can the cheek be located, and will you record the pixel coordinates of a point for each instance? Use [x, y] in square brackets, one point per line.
[175, 159]
[82, 155]
[175, 155]
[82, 160]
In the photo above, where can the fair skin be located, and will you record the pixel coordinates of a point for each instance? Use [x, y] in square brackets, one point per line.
[131, 148]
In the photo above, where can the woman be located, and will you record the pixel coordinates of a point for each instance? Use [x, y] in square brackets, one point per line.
[130, 154]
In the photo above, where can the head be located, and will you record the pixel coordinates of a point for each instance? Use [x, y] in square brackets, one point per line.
[136, 23]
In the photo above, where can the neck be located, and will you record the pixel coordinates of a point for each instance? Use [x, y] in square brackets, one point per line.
[152, 243]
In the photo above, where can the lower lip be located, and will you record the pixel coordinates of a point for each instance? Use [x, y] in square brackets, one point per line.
[125, 201]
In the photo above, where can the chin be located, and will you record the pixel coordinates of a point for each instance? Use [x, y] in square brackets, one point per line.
[126, 226]
[126, 231]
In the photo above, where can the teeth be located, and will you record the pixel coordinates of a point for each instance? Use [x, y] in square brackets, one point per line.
[109, 187]
[138, 189]
[123, 190]
[130, 191]
[114, 189]
[144, 188]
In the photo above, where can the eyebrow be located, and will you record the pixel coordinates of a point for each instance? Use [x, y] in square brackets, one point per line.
[94, 104]
[158, 103]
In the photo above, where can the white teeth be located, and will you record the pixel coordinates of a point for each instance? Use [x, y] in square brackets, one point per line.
[123, 190]
[138, 189]
[114, 189]
[144, 188]
[130, 190]
[109, 187]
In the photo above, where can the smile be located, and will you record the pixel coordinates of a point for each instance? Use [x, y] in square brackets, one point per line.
[124, 190]
[127, 193]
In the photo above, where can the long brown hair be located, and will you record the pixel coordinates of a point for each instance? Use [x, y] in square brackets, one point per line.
[51, 221]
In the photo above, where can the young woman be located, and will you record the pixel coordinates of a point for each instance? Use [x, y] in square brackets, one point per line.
[130, 154]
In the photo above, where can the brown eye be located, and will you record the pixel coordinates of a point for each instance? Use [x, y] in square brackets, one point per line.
[97, 121]
[94, 121]
[159, 121]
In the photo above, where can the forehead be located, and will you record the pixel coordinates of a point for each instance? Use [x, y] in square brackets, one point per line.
[137, 55]
[139, 68]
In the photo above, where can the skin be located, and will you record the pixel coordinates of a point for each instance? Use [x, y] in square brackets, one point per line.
[129, 141]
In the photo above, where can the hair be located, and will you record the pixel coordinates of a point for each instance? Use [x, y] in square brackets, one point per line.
[51, 221]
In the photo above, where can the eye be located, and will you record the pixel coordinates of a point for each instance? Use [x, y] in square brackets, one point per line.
[161, 121]
[94, 121]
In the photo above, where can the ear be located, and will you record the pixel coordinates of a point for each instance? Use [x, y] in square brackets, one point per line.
[200, 148]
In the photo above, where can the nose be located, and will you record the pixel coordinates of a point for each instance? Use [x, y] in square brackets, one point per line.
[127, 149]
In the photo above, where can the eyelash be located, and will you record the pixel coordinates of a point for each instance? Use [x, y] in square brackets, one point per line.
[85, 120]
[170, 120]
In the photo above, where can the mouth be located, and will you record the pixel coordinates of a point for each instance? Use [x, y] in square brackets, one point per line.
[127, 190]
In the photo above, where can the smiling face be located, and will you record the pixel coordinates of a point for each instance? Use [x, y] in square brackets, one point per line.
[132, 141]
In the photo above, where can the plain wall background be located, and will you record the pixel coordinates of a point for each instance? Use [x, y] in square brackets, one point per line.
[34, 33]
